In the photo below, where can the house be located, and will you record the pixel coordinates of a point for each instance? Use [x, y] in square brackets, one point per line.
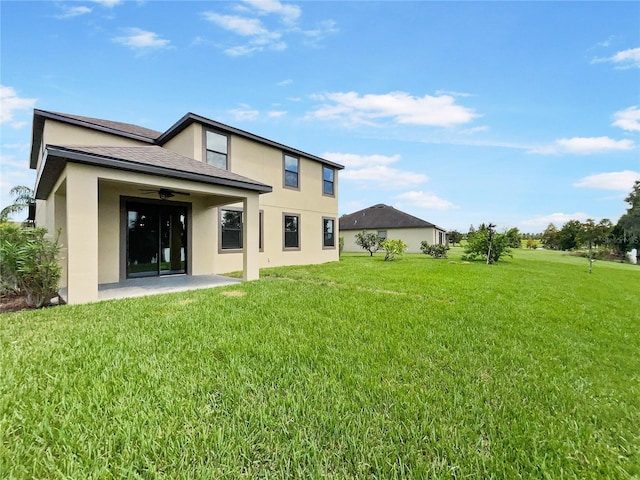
[200, 198]
[387, 222]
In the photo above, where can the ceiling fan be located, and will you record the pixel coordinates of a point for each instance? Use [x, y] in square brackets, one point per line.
[165, 193]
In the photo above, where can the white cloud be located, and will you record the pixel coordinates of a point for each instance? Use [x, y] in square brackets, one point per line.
[402, 108]
[622, 181]
[107, 3]
[253, 20]
[628, 119]
[323, 30]
[277, 113]
[584, 146]
[11, 103]
[239, 25]
[289, 13]
[558, 219]
[244, 113]
[284, 83]
[625, 59]
[141, 40]
[352, 160]
[425, 200]
[453, 93]
[373, 171]
[71, 12]
[381, 176]
[260, 38]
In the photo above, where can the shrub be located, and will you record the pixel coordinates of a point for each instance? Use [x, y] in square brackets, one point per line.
[369, 241]
[485, 243]
[340, 245]
[393, 248]
[532, 244]
[436, 251]
[29, 263]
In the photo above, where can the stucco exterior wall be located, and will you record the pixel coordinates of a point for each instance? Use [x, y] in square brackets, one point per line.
[265, 164]
[413, 237]
[189, 142]
[104, 189]
[62, 134]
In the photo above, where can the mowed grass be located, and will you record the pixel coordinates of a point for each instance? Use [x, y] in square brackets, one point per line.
[419, 368]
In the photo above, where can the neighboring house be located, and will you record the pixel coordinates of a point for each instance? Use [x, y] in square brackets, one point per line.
[387, 222]
[199, 198]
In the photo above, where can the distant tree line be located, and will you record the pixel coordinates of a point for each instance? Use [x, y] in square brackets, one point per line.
[610, 239]
[603, 238]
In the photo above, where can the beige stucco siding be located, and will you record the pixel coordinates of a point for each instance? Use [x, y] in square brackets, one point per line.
[413, 237]
[189, 142]
[265, 163]
[273, 254]
[57, 133]
[85, 204]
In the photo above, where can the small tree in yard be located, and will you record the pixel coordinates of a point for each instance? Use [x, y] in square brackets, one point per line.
[435, 251]
[29, 263]
[393, 248]
[369, 241]
[485, 243]
[593, 235]
[454, 237]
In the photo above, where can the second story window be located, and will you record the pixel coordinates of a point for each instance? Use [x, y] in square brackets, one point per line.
[291, 168]
[217, 149]
[328, 181]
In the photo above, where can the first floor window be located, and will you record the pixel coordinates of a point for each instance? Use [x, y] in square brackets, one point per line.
[291, 231]
[261, 231]
[328, 238]
[382, 235]
[231, 229]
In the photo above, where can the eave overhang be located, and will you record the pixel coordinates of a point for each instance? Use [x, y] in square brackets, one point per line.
[56, 158]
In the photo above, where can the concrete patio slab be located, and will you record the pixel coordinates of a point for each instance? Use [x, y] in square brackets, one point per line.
[139, 287]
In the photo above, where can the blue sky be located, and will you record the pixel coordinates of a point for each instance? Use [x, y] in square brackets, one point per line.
[516, 113]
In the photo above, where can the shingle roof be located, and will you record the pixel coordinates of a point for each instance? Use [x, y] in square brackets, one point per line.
[148, 159]
[381, 216]
[151, 136]
[126, 128]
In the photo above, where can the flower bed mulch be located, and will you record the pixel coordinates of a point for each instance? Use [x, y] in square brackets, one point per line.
[13, 303]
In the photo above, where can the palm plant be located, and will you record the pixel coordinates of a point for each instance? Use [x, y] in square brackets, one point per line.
[22, 198]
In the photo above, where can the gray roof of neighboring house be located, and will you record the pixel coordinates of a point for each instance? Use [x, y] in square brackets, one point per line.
[147, 135]
[153, 160]
[382, 216]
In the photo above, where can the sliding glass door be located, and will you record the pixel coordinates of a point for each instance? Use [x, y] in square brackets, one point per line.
[156, 239]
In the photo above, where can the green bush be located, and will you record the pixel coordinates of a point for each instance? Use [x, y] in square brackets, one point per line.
[29, 263]
[393, 248]
[340, 245]
[369, 241]
[485, 243]
[435, 251]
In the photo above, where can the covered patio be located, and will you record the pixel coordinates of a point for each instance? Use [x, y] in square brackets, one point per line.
[125, 213]
[140, 287]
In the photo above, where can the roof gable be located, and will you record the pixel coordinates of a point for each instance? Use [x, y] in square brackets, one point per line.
[121, 129]
[381, 216]
[190, 118]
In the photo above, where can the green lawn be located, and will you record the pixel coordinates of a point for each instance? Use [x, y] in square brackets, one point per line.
[419, 368]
